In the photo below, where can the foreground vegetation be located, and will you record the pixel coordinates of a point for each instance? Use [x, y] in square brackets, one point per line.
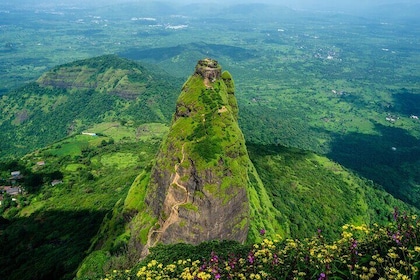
[377, 252]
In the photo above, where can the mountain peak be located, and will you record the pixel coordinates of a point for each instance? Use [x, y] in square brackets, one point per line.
[198, 186]
[209, 69]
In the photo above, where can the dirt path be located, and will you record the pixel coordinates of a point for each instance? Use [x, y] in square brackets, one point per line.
[174, 215]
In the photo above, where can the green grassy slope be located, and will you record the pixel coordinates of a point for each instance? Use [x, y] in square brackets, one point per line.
[312, 192]
[47, 234]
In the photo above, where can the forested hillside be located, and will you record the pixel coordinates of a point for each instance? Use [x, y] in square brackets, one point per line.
[70, 98]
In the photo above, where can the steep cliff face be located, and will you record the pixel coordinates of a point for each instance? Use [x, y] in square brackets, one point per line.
[198, 185]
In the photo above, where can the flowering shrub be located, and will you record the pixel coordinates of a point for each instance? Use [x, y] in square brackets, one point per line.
[376, 252]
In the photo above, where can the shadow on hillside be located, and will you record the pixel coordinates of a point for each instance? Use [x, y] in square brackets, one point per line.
[406, 103]
[312, 196]
[390, 159]
[274, 149]
[47, 244]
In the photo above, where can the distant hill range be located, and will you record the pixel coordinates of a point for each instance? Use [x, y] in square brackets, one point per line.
[70, 97]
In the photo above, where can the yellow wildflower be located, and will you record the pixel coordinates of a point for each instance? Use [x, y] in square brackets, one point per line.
[204, 275]
[392, 255]
[373, 270]
[347, 235]
[402, 277]
[363, 277]
[393, 270]
[141, 271]
[242, 276]
[152, 263]
[171, 267]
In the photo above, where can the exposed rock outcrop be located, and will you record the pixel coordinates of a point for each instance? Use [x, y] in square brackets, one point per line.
[208, 69]
[198, 185]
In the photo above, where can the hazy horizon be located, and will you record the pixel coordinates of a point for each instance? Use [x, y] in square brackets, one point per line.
[332, 5]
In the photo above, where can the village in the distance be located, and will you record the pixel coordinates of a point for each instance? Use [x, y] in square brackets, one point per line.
[11, 188]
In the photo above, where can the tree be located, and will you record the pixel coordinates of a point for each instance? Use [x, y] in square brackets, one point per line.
[6, 203]
[33, 182]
